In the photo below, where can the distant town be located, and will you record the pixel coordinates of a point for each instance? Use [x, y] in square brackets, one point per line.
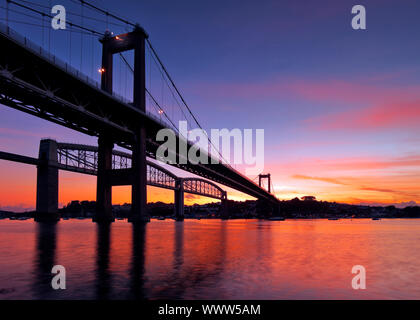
[304, 208]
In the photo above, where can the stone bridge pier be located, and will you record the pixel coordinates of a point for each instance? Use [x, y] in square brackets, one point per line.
[47, 182]
[179, 200]
[112, 169]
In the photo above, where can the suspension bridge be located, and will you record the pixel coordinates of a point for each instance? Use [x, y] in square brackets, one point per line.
[123, 110]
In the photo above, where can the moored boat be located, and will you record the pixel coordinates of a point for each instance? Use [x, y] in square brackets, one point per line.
[276, 219]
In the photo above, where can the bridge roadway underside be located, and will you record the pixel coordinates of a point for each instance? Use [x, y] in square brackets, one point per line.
[31, 83]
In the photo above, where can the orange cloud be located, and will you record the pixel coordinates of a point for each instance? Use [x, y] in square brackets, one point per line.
[17, 132]
[329, 180]
[391, 115]
[363, 90]
[354, 183]
[387, 180]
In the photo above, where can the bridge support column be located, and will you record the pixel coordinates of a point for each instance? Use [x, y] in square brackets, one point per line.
[47, 182]
[179, 200]
[139, 187]
[139, 163]
[103, 186]
[224, 214]
[111, 45]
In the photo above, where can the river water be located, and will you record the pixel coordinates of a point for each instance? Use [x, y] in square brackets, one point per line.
[211, 259]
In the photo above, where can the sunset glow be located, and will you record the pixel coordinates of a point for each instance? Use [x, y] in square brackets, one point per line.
[340, 113]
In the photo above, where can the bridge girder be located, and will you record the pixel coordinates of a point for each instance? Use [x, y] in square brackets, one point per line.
[84, 159]
[36, 82]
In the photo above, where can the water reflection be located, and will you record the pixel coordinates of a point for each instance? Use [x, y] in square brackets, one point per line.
[137, 261]
[103, 276]
[210, 259]
[176, 280]
[44, 259]
[179, 246]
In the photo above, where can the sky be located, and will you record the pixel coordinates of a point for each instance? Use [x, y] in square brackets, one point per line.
[340, 108]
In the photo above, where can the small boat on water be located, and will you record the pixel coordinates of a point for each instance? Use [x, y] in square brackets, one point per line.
[333, 219]
[161, 218]
[276, 219]
[376, 218]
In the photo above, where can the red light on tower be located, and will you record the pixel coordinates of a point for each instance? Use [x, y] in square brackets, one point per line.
[101, 70]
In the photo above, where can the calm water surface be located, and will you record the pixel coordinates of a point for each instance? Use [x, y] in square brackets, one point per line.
[211, 259]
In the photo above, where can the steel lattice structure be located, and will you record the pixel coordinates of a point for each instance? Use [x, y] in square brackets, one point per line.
[36, 82]
[84, 159]
[202, 187]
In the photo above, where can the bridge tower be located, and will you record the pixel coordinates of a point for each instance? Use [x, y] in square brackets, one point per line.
[264, 208]
[111, 45]
[47, 182]
[265, 176]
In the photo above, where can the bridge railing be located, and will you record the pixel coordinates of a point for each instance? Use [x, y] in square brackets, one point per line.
[38, 50]
[45, 54]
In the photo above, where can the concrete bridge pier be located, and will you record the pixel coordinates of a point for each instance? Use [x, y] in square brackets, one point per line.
[103, 184]
[224, 207]
[47, 182]
[139, 184]
[111, 45]
[179, 200]
[105, 145]
[136, 42]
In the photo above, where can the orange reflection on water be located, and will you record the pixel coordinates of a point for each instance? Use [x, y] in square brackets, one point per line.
[211, 259]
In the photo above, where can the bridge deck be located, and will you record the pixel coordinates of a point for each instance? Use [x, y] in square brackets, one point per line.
[41, 86]
[167, 181]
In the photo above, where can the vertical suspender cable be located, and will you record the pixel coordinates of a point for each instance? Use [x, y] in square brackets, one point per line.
[119, 78]
[150, 74]
[162, 102]
[7, 13]
[172, 109]
[91, 65]
[125, 82]
[42, 29]
[49, 33]
[81, 37]
[70, 44]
